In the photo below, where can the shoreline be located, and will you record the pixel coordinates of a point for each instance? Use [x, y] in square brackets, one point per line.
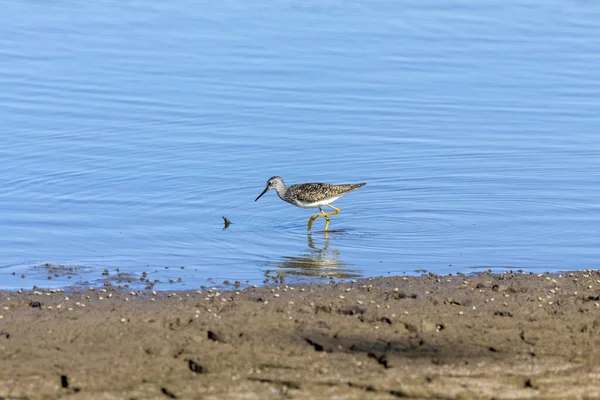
[506, 336]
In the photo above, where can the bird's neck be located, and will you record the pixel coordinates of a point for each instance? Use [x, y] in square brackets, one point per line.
[280, 188]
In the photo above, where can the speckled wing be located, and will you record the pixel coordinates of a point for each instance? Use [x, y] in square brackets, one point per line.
[312, 192]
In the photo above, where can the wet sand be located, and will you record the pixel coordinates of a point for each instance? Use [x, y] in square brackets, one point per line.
[510, 336]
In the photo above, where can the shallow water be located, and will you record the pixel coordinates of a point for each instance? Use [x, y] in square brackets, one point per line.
[129, 129]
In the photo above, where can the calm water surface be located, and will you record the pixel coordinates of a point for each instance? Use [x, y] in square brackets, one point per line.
[129, 128]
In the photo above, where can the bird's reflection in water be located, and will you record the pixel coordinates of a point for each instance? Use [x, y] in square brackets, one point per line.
[318, 261]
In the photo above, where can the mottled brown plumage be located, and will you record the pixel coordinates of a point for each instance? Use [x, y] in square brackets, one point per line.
[307, 193]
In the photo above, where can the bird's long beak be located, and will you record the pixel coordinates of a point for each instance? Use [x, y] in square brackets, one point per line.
[264, 191]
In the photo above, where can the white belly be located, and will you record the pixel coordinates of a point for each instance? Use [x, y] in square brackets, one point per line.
[316, 204]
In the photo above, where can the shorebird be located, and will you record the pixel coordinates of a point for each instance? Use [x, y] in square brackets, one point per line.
[311, 195]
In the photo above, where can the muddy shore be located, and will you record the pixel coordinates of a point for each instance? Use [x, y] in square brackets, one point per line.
[508, 336]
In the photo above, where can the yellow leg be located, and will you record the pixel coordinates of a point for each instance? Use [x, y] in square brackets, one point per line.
[337, 210]
[314, 217]
[324, 215]
[326, 221]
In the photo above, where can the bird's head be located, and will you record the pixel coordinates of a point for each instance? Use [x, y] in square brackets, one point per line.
[273, 183]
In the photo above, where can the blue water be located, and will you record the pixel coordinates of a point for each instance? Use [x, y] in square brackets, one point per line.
[129, 128]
